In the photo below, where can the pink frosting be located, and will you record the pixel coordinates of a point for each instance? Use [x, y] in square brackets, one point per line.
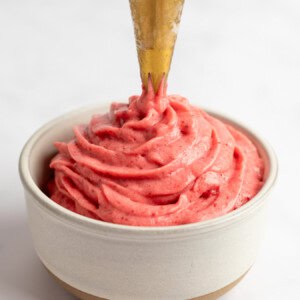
[156, 161]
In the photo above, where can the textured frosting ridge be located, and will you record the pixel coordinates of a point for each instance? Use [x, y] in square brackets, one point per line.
[155, 161]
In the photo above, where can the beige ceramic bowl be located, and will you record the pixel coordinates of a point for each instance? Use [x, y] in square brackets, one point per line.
[97, 259]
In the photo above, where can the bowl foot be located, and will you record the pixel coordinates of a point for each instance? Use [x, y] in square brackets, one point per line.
[84, 296]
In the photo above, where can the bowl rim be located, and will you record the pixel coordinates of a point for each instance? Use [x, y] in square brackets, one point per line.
[98, 225]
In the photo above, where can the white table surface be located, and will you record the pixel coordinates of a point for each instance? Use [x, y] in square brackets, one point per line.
[239, 57]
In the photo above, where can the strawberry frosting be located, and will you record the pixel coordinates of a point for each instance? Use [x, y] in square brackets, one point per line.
[155, 161]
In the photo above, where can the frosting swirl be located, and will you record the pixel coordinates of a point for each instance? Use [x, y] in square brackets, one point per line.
[156, 161]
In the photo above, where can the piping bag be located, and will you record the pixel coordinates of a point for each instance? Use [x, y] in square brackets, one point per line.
[156, 25]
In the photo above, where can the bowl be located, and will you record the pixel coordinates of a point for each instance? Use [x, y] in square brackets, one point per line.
[98, 260]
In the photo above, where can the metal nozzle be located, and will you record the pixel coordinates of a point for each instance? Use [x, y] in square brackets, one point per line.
[155, 24]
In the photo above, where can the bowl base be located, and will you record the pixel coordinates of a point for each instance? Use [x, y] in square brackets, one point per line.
[85, 296]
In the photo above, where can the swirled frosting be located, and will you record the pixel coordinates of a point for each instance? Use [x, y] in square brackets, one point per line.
[155, 161]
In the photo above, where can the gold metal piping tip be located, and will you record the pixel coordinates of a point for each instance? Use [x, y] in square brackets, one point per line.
[156, 25]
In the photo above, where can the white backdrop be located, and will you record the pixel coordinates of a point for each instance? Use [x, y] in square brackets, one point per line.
[238, 57]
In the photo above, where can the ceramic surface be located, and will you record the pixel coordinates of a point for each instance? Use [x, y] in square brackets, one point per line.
[126, 262]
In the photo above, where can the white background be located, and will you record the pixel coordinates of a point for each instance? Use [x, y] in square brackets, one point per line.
[241, 58]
